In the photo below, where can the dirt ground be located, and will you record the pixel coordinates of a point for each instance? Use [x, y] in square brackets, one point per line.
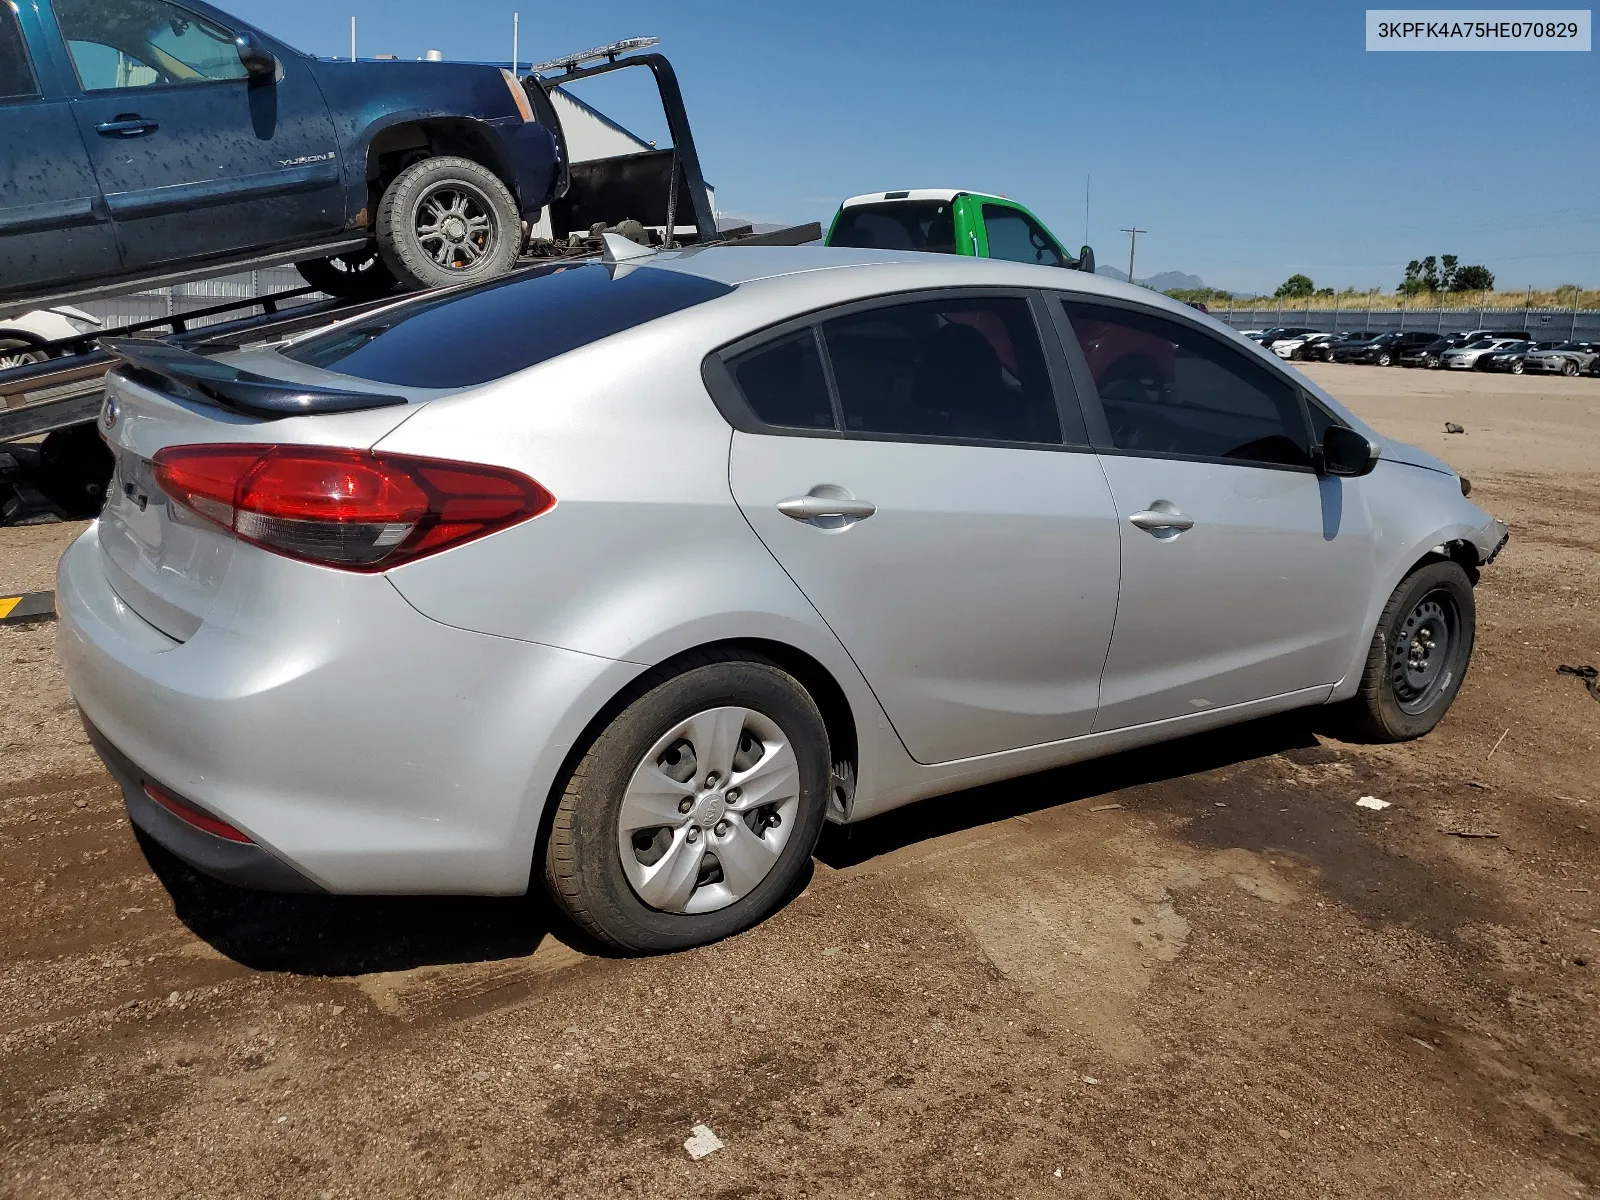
[1199, 970]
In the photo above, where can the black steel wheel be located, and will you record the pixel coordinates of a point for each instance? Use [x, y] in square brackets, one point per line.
[1418, 655]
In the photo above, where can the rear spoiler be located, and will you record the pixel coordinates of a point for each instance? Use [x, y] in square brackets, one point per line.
[208, 381]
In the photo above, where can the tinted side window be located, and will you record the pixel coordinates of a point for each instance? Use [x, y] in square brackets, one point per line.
[1169, 389]
[16, 72]
[458, 339]
[136, 43]
[967, 368]
[783, 383]
[897, 225]
[1015, 238]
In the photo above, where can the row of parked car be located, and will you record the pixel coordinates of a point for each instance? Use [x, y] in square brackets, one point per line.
[1482, 349]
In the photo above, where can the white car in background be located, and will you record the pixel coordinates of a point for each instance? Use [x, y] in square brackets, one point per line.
[1466, 358]
[23, 336]
[1296, 347]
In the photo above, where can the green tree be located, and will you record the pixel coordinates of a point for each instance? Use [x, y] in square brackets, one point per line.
[1413, 281]
[1472, 279]
[1447, 272]
[1295, 287]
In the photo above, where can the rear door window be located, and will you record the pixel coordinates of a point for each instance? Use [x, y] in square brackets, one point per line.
[784, 385]
[463, 338]
[1167, 388]
[1015, 237]
[897, 225]
[16, 72]
[965, 369]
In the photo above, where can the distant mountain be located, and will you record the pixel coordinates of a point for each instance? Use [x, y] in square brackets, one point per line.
[1164, 281]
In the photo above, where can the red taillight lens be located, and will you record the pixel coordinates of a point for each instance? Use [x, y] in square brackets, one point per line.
[357, 509]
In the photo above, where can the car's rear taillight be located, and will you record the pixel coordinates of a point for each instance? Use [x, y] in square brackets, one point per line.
[361, 510]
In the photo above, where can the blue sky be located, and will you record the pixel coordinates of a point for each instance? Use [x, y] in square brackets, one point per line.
[1251, 139]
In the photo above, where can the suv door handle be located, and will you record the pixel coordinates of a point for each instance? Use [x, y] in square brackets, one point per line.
[810, 508]
[1154, 520]
[127, 125]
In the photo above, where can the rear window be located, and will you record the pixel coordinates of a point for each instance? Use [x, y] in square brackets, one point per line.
[459, 339]
[900, 225]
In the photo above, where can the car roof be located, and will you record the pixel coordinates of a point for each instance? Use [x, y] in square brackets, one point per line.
[908, 194]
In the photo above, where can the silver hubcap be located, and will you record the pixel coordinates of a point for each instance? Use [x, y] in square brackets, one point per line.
[708, 811]
[454, 226]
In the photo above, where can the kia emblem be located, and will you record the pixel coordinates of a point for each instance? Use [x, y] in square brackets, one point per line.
[108, 415]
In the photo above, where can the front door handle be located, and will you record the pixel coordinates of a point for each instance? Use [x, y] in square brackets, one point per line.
[127, 125]
[1155, 520]
[811, 508]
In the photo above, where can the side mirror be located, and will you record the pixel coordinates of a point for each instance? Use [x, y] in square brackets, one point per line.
[1347, 453]
[1086, 260]
[260, 64]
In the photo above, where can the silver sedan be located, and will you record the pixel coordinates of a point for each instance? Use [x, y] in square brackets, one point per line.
[627, 576]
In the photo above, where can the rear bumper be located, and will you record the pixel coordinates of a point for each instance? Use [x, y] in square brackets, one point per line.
[244, 865]
[363, 747]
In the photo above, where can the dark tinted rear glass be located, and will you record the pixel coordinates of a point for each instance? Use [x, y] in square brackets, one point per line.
[898, 225]
[459, 339]
[784, 383]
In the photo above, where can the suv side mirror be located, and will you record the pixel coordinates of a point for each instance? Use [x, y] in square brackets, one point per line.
[260, 64]
[1086, 260]
[1347, 453]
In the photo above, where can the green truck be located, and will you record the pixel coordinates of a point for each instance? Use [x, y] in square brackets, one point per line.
[941, 221]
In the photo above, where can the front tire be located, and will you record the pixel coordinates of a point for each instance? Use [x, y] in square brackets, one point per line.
[1569, 367]
[693, 814]
[448, 220]
[1384, 360]
[19, 352]
[1419, 655]
[1517, 368]
[360, 275]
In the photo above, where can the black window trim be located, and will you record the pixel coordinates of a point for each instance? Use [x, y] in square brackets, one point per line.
[736, 410]
[27, 60]
[1100, 429]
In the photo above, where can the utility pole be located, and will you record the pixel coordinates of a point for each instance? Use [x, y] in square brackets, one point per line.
[1133, 240]
[352, 38]
[516, 19]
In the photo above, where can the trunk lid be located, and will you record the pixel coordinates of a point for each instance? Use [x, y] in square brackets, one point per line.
[164, 561]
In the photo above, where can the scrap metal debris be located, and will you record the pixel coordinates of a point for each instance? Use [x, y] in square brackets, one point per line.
[1104, 807]
[1469, 833]
[1589, 675]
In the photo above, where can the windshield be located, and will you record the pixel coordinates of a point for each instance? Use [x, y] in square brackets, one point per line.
[461, 338]
[1479, 345]
[897, 225]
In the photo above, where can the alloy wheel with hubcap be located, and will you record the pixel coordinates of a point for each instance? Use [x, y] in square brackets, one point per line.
[693, 813]
[15, 352]
[709, 810]
[448, 220]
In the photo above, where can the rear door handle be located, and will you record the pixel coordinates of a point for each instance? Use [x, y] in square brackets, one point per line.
[1154, 519]
[810, 508]
[127, 125]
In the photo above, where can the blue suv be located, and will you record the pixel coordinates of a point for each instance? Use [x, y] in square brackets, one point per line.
[145, 142]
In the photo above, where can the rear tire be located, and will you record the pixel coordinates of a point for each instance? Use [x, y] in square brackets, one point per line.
[359, 275]
[623, 799]
[19, 352]
[448, 220]
[1418, 657]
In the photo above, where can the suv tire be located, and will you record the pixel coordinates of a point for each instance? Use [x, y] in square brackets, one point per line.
[1406, 689]
[664, 752]
[360, 275]
[445, 221]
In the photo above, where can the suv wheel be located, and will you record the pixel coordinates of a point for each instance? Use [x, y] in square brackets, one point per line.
[448, 220]
[693, 815]
[1419, 655]
[357, 276]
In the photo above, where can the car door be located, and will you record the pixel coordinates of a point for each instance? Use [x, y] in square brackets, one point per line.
[1245, 574]
[194, 157]
[52, 224]
[909, 466]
